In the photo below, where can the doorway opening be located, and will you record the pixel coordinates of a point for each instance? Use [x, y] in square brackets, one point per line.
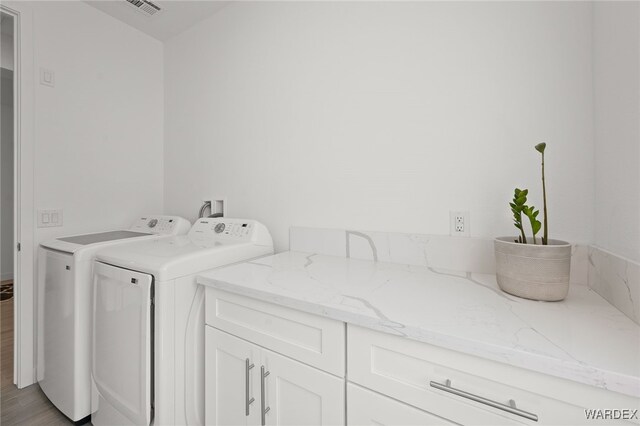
[7, 195]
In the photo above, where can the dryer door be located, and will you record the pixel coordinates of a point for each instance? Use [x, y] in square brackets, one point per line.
[122, 346]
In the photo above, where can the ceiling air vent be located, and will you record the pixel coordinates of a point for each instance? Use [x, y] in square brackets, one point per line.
[144, 6]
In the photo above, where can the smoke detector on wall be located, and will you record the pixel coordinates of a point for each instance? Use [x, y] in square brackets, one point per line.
[145, 7]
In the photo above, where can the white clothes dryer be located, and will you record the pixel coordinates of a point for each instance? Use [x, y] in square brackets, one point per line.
[148, 322]
[64, 308]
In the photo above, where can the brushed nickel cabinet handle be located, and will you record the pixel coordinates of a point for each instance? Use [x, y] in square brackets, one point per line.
[265, 410]
[248, 401]
[511, 408]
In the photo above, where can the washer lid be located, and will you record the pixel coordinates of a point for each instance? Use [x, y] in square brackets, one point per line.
[102, 237]
[174, 257]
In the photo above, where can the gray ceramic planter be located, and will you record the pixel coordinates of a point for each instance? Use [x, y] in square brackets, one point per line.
[533, 271]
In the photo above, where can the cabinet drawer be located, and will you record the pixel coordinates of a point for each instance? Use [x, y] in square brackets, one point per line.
[365, 407]
[311, 339]
[405, 369]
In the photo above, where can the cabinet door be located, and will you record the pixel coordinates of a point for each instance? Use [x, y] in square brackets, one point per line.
[230, 383]
[298, 395]
[365, 407]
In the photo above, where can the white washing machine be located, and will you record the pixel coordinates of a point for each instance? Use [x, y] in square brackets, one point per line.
[148, 322]
[64, 308]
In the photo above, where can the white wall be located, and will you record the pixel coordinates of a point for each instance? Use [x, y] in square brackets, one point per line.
[617, 127]
[98, 132]
[6, 51]
[6, 156]
[6, 177]
[382, 115]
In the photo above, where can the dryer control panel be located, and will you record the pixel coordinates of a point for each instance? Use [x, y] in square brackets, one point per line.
[161, 225]
[228, 230]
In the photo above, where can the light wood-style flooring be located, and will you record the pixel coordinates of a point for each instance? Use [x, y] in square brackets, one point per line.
[28, 406]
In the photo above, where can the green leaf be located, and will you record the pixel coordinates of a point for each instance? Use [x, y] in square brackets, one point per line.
[531, 213]
[517, 206]
[535, 227]
[541, 147]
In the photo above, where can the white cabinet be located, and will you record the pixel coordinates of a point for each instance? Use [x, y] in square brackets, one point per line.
[249, 385]
[301, 395]
[272, 365]
[311, 339]
[466, 389]
[368, 408]
[232, 390]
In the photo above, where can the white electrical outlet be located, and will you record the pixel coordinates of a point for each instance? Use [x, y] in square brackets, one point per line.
[459, 223]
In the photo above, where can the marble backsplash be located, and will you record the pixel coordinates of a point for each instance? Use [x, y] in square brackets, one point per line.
[616, 279]
[433, 251]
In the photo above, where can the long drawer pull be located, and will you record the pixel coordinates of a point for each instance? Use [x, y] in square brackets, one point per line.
[511, 408]
[248, 401]
[264, 410]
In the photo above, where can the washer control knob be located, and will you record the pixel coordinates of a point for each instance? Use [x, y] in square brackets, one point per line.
[152, 223]
[219, 228]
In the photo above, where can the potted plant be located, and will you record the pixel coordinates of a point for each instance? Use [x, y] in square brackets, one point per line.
[535, 268]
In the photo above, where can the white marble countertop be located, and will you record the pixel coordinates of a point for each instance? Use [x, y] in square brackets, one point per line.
[582, 338]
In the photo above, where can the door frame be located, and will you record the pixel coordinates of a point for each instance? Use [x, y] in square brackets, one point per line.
[23, 184]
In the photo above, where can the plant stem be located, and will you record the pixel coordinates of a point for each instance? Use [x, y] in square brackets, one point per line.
[523, 237]
[544, 200]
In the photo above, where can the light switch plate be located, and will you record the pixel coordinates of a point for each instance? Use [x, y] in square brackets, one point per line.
[47, 77]
[49, 218]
